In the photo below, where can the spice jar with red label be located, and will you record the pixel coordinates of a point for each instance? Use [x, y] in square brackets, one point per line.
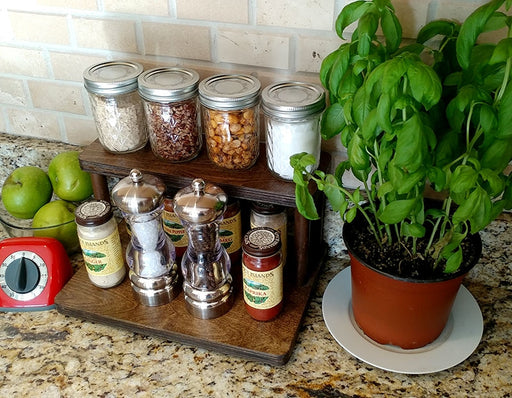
[172, 112]
[262, 271]
[230, 117]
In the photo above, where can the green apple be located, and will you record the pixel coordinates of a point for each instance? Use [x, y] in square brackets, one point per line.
[25, 190]
[68, 179]
[59, 215]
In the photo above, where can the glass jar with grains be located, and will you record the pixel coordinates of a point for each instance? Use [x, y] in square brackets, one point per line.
[230, 117]
[116, 105]
[172, 114]
[292, 113]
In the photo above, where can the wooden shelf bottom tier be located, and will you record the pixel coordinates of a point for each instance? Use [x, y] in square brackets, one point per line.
[234, 333]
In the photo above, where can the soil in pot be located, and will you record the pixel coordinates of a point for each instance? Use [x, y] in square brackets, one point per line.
[398, 299]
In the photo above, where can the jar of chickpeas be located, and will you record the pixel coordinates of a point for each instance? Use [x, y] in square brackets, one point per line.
[230, 119]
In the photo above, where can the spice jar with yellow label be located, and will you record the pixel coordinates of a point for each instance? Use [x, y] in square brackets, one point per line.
[100, 242]
[230, 118]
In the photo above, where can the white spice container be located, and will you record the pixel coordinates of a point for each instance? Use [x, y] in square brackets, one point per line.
[292, 112]
[100, 242]
[117, 106]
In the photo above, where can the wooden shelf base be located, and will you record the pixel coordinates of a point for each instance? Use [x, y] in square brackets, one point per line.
[234, 333]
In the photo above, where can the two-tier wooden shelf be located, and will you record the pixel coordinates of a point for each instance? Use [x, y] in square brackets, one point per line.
[235, 332]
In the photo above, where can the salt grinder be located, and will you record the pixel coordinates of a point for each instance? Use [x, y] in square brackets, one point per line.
[150, 254]
[207, 283]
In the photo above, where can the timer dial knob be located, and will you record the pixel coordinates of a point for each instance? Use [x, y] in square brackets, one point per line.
[23, 275]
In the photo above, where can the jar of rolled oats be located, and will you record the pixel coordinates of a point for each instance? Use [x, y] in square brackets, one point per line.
[172, 112]
[116, 105]
[230, 117]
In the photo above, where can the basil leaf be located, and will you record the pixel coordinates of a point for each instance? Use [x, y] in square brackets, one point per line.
[397, 211]
[471, 29]
[463, 179]
[414, 230]
[504, 114]
[502, 51]
[333, 121]
[392, 30]
[305, 203]
[351, 13]
[333, 194]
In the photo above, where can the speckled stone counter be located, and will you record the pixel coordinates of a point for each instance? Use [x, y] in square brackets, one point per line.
[47, 354]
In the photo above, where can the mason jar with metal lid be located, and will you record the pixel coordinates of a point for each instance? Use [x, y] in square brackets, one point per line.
[292, 112]
[230, 117]
[171, 107]
[116, 105]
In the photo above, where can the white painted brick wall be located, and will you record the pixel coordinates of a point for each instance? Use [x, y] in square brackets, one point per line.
[46, 44]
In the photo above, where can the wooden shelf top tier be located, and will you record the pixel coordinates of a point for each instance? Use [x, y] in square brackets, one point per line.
[256, 183]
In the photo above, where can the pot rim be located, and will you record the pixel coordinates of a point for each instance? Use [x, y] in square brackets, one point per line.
[476, 239]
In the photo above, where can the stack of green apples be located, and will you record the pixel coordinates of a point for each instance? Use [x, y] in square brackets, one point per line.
[49, 198]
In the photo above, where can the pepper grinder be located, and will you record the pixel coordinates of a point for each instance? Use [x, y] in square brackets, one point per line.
[150, 254]
[205, 266]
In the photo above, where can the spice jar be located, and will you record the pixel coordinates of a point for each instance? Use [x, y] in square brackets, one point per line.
[116, 105]
[230, 231]
[150, 253]
[272, 216]
[292, 112]
[172, 112]
[100, 242]
[173, 228]
[207, 282]
[230, 117]
[262, 272]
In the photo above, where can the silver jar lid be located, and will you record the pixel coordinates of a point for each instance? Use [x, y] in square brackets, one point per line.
[138, 194]
[229, 92]
[168, 84]
[292, 100]
[200, 203]
[112, 77]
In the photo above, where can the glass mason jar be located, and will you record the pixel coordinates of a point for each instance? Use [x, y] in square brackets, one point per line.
[116, 105]
[292, 112]
[172, 112]
[230, 117]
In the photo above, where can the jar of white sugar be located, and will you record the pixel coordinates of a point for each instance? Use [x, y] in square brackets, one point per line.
[116, 105]
[292, 112]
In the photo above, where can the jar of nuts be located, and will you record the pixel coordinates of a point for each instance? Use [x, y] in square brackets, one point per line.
[230, 117]
[116, 105]
[172, 112]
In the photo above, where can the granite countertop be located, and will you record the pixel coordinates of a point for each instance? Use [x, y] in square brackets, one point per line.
[48, 354]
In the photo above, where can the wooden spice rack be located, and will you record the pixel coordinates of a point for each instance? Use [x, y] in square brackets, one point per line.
[235, 332]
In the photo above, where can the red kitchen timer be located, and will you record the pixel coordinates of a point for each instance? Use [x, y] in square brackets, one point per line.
[32, 271]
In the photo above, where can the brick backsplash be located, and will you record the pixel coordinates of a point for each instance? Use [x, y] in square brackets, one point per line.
[45, 45]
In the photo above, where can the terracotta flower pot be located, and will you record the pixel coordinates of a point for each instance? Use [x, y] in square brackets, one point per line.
[403, 312]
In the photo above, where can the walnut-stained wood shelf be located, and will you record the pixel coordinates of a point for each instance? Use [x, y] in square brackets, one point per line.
[235, 332]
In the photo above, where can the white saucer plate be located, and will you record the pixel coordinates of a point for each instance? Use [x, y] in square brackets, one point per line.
[457, 342]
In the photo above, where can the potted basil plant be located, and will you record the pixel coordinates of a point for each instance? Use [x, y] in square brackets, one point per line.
[431, 115]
